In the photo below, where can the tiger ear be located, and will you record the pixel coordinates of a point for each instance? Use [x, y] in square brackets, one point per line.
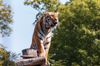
[46, 13]
[57, 13]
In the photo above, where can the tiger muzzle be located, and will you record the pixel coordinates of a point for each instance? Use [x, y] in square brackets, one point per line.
[54, 24]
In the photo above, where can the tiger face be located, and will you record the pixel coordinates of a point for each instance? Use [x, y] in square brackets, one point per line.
[50, 19]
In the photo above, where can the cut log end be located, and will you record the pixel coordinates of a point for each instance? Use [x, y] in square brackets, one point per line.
[29, 53]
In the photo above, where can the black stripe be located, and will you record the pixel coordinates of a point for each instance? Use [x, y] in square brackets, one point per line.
[41, 33]
[42, 29]
[40, 38]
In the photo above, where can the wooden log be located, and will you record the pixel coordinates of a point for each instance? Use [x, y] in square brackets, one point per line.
[31, 61]
[29, 53]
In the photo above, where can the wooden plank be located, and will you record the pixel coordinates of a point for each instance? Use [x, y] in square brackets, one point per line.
[31, 61]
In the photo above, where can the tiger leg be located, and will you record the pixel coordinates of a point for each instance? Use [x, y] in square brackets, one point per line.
[46, 51]
[41, 50]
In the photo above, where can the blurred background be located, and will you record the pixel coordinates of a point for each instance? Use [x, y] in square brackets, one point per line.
[76, 42]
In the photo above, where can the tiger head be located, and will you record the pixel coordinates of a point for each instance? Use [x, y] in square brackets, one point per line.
[51, 19]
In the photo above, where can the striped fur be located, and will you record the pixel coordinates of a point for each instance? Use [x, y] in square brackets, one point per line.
[41, 39]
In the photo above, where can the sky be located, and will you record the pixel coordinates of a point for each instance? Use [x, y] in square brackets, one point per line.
[23, 28]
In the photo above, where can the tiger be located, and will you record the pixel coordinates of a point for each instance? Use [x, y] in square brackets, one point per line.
[43, 33]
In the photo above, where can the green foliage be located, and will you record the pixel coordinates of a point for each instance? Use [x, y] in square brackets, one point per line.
[79, 34]
[50, 5]
[6, 58]
[77, 41]
[5, 19]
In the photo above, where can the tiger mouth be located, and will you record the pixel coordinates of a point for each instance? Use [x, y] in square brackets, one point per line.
[54, 24]
[50, 26]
